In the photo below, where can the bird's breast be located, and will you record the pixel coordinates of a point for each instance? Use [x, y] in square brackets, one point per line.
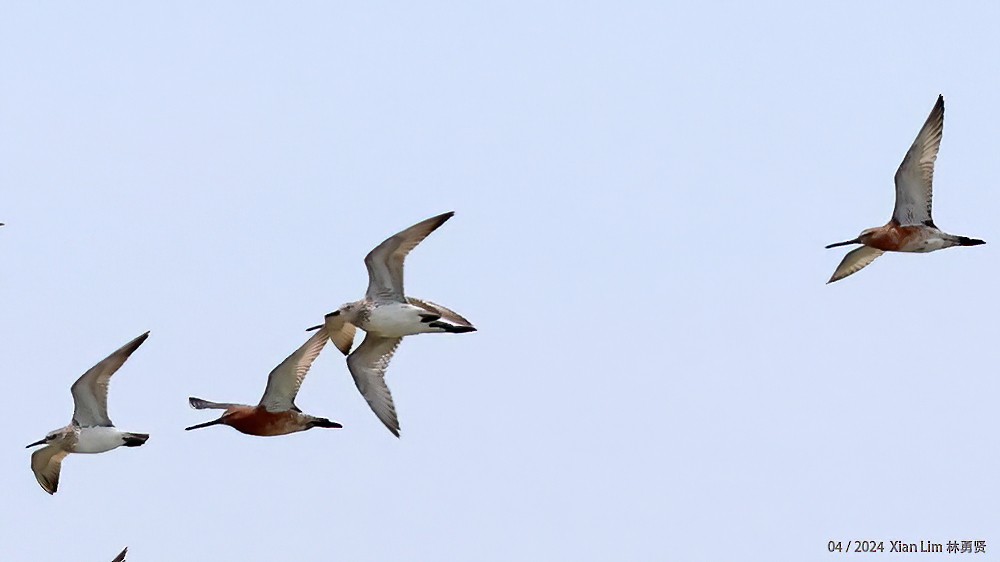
[897, 238]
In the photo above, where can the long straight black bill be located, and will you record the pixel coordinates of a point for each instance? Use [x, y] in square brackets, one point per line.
[845, 243]
[206, 424]
[35, 444]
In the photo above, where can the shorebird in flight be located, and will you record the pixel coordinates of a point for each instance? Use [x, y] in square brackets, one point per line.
[386, 315]
[91, 430]
[911, 228]
[276, 414]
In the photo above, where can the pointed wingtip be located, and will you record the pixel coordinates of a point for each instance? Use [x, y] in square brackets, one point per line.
[937, 112]
[443, 218]
[392, 426]
[49, 486]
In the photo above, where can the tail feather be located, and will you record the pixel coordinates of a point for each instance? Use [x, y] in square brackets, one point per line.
[135, 439]
[966, 241]
[445, 314]
[452, 328]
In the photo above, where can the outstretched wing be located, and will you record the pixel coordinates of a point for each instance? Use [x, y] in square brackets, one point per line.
[341, 332]
[367, 365]
[385, 262]
[45, 463]
[915, 175]
[199, 404]
[284, 381]
[90, 392]
[121, 556]
[855, 261]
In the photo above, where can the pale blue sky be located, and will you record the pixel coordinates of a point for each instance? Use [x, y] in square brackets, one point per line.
[642, 194]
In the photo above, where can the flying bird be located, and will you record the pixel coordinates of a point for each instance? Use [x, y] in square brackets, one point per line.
[91, 430]
[386, 315]
[276, 414]
[911, 228]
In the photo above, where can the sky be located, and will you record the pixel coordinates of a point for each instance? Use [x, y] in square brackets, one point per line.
[642, 193]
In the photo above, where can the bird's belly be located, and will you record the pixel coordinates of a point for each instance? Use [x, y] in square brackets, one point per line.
[925, 245]
[396, 320]
[268, 424]
[98, 440]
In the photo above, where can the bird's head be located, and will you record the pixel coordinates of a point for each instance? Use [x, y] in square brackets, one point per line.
[52, 437]
[862, 238]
